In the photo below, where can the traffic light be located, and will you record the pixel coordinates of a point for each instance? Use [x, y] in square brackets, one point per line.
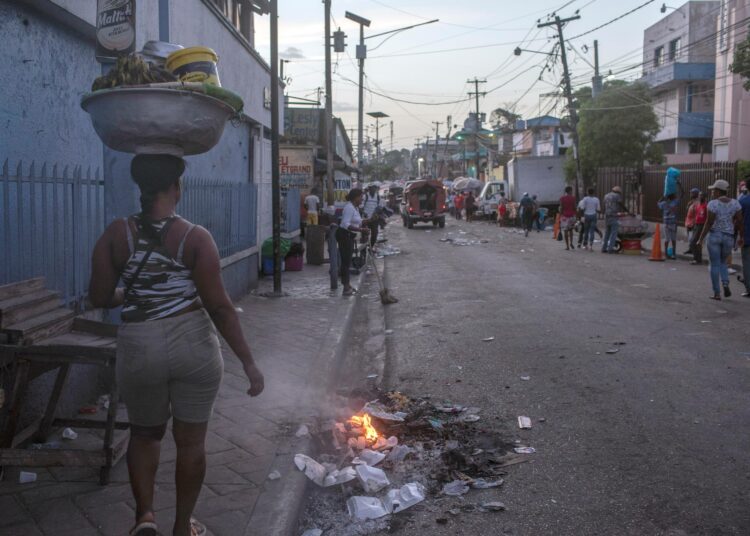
[339, 41]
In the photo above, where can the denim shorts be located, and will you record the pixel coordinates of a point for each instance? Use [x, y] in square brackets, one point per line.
[170, 366]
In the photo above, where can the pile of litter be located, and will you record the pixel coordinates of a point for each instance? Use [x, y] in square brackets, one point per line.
[464, 241]
[386, 250]
[400, 454]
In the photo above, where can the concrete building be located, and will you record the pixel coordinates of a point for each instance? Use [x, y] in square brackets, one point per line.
[49, 54]
[679, 65]
[538, 136]
[731, 127]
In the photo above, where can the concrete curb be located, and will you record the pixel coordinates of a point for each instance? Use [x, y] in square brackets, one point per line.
[279, 505]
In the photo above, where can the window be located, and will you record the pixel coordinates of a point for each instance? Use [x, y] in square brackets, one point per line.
[240, 15]
[659, 57]
[674, 49]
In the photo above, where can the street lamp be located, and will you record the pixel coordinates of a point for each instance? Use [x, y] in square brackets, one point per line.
[420, 160]
[378, 116]
[361, 56]
[664, 8]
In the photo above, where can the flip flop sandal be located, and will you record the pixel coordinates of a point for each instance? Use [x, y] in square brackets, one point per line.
[147, 528]
[197, 528]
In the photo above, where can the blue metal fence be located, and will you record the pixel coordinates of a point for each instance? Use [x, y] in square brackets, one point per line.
[227, 209]
[290, 210]
[52, 215]
[50, 219]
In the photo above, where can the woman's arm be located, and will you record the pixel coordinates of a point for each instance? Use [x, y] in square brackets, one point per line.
[739, 224]
[207, 277]
[707, 226]
[103, 291]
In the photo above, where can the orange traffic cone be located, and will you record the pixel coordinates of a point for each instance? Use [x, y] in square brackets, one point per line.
[556, 228]
[656, 247]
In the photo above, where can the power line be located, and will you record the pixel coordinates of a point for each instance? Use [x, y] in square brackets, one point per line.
[613, 20]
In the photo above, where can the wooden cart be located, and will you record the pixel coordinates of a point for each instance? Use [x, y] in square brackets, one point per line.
[42, 336]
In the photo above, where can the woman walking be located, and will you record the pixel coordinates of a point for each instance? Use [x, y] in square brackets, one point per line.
[351, 223]
[168, 358]
[724, 216]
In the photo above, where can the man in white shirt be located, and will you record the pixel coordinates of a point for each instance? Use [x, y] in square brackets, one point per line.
[370, 204]
[312, 203]
[590, 207]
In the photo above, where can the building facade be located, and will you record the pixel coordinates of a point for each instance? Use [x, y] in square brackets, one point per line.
[731, 126]
[538, 136]
[679, 66]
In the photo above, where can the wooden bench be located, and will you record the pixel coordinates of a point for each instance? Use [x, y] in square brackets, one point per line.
[41, 336]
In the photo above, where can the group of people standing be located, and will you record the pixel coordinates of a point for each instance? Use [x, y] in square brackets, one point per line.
[585, 214]
[458, 202]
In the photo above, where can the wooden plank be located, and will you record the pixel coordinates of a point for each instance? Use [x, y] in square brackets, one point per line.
[21, 287]
[49, 414]
[52, 458]
[41, 327]
[90, 423]
[99, 357]
[24, 436]
[20, 308]
[95, 328]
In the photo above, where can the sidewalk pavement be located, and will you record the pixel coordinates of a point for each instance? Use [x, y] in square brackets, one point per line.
[296, 341]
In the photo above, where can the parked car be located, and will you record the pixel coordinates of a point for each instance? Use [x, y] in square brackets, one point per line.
[424, 201]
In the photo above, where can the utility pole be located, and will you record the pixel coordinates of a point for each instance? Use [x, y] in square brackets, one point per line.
[596, 82]
[275, 177]
[558, 22]
[391, 135]
[329, 107]
[476, 94]
[434, 154]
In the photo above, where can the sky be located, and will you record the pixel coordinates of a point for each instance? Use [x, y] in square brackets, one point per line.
[432, 63]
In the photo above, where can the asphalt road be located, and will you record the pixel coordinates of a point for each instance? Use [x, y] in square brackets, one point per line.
[652, 440]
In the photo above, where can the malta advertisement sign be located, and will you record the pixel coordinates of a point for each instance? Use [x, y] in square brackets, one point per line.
[296, 168]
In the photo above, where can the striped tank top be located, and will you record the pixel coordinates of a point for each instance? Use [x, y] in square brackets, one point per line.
[164, 285]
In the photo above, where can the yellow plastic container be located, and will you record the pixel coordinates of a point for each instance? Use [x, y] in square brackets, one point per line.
[194, 64]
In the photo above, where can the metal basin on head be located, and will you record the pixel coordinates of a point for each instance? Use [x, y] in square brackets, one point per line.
[157, 120]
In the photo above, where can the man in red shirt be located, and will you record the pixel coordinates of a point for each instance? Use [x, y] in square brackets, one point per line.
[568, 216]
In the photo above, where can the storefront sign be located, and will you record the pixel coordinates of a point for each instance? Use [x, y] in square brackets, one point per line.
[115, 29]
[296, 168]
[302, 125]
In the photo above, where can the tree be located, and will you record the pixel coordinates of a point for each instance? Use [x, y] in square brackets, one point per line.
[618, 128]
[503, 119]
[741, 63]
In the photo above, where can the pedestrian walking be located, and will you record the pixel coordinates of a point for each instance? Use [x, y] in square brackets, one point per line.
[370, 205]
[351, 223]
[701, 215]
[745, 204]
[459, 202]
[612, 208]
[452, 204]
[471, 206]
[724, 216]
[169, 361]
[312, 203]
[502, 210]
[669, 206]
[527, 213]
[590, 208]
[690, 217]
[568, 216]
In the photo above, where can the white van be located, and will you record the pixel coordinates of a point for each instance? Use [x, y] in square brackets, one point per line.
[489, 197]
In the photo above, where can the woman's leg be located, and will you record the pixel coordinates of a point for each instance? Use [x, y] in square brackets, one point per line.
[345, 249]
[190, 439]
[727, 243]
[715, 259]
[144, 449]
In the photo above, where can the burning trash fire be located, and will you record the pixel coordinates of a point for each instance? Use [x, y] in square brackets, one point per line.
[365, 422]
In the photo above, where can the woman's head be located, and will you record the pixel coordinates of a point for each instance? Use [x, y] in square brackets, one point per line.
[354, 196]
[719, 188]
[157, 175]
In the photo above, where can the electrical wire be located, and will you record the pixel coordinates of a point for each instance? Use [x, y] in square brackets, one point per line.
[613, 20]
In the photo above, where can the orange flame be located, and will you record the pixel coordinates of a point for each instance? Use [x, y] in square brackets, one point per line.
[364, 422]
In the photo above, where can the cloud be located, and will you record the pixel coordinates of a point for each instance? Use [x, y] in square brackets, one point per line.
[292, 53]
[344, 107]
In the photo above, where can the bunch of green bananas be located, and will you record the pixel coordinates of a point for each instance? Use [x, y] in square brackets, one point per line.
[132, 70]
